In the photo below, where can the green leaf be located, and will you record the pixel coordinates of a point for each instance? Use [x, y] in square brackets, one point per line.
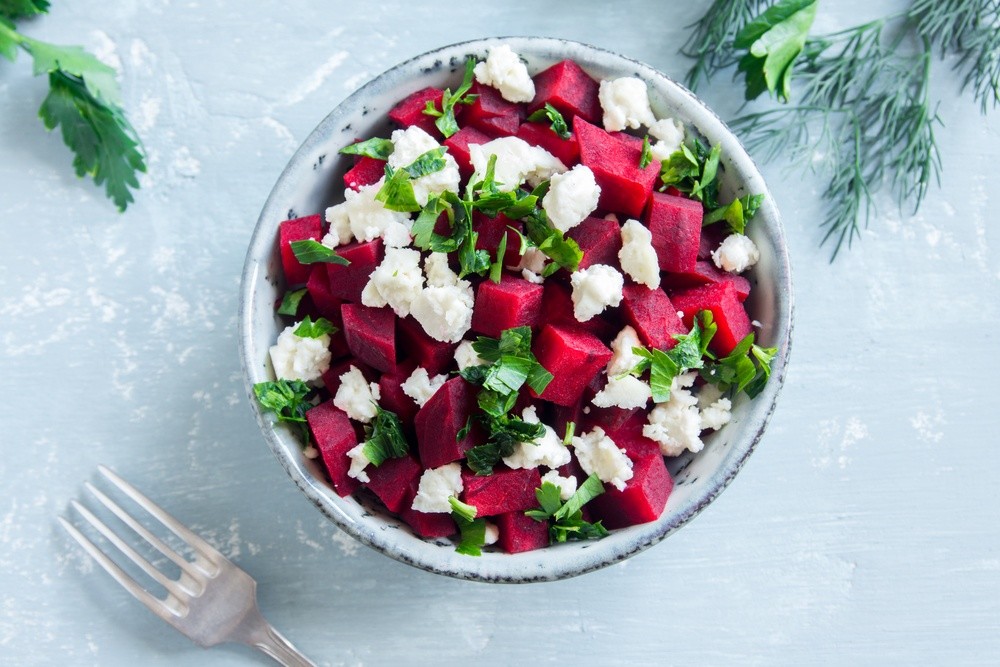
[646, 156]
[309, 329]
[396, 193]
[19, 9]
[570, 430]
[311, 251]
[445, 118]
[10, 40]
[377, 148]
[496, 269]
[774, 40]
[467, 512]
[662, 372]
[385, 438]
[290, 302]
[423, 226]
[590, 489]
[548, 499]
[472, 536]
[539, 378]
[100, 79]
[105, 145]
[555, 118]
[428, 163]
[288, 400]
[482, 458]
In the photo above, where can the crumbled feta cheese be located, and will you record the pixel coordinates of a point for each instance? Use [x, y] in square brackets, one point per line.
[623, 358]
[532, 277]
[637, 256]
[571, 197]
[532, 265]
[490, 533]
[445, 313]
[599, 455]
[420, 386]
[410, 144]
[594, 289]
[708, 394]
[736, 254]
[359, 460]
[547, 450]
[676, 424]
[716, 415]
[396, 282]
[436, 486]
[504, 71]
[626, 392]
[439, 273]
[517, 162]
[670, 133]
[626, 104]
[296, 358]
[356, 396]
[466, 355]
[367, 219]
[567, 485]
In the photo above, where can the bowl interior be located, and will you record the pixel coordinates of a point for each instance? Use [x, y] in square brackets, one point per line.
[313, 180]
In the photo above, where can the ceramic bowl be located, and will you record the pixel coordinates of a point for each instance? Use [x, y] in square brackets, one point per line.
[313, 180]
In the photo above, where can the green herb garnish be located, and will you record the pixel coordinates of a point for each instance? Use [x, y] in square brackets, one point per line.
[311, 251]
[472, 531]
[747, 368]
[290, 302]
[646, 154]
[466, 511]
[288, 400]
[497, 267]
[693, 171]
[384, 438]
[566, 519]
[377, 148]
[445, 117]
[686, 355]
[556, 121]
[309, 329]
[736, 214]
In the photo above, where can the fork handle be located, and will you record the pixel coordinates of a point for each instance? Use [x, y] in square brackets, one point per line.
[261, 635]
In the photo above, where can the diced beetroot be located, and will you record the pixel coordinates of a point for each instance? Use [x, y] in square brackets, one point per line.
[331, 378]
[366, 171]
[334, 436]
[557, 306]
[417, 346]
[630, 438]
[513, 302]
[706, 272]
[643, 499]
[573, 356]
[371, 335]
[519, 533]
[411, 110]
[500, 126]
[542, 135]
[391, 394]
[492, 230]
[458, 146]
[299, 229]
[569, 89]
[428, 524]
[318, 287]
[440, 420]
[347, 282]
[675, 223]
[599, 239]
[711, 237]
[491, 113]
[503, 491]
[727, 311]
[609, 419]
[392, 481]
[653, 315]
[614, 159]
[561, 415]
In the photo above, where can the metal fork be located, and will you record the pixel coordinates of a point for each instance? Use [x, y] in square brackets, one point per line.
[212, 601]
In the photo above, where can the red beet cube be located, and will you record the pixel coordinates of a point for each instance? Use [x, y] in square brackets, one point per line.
[428, 524]
[318, 287]
[491, 113]
[727, 311]
[609, 419]
[458, 145]
[331, 378]
[411, 110]
[705, 272]
[653, 316]
[642, 500]
[599, 239]
[492, 230]
[423, 350]
[371, 335]
[542, 135]
[391, 394]
[366, 171]
[334, 436]
[392, 481]
[569, 89]
[675, 223]
[557, 306]
[513, 302]
[503, 491]
[347, 282]
[440, 420]
[573, 356]
[299, 229]
[614, 159]
[520, 533]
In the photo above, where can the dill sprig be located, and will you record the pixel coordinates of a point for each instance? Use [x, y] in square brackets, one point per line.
[711, 40]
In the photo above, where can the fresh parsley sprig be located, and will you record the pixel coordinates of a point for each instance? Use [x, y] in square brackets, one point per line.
[384, 438]
[747, 368]
[288, 400]
[290, 302]
[20, 9]
[377, 148]
[311, 251]
[556, 121]
[566, 519]
[444, 119]
[693, 170]
[309, 329]
[396, 193]
[472, 530]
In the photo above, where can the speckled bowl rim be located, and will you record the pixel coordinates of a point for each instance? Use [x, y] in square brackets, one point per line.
[546, 564]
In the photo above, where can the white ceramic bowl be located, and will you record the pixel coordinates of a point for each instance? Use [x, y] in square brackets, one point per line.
[312, 181]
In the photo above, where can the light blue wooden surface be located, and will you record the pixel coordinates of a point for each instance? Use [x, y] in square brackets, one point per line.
[865, 528]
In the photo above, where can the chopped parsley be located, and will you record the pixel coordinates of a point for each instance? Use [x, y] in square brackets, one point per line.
[288, 400]
[309, 329]
[556, 121]
[747, 368]
[472, 530]
[396, 193]
[311, 251]
[385, 438]
[686, 355]
[694, 171]
[290, 302]
[646, 155]
[445, 117]
[377, 148]
[736, 214]
[566, 519]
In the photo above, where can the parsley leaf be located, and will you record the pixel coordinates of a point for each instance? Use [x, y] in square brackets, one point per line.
[774, 40]
[590, 489]
[309, 329]
[562, 250]
[570, 430]
[445, 118]
[311, 251]
[473, 535]
[427, 163]
[423, 226]
[512, 362]
[396, 193]
[377, 148]
[686, 355]
[496, 268]
[646, 156]
[19, 9]
[290, 302]
[288, 400]
[385, 438]
[466, 511]
[694, 172]
[567, 518]
[747, 368]
[556, 120]
[736, 214]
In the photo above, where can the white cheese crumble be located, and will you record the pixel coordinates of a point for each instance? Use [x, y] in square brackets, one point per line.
[356, 396]
[504, 71]
[436, 486]
[623, 359]
[599, 455]
[594, 289]
[410, 144]
[676, 424]
[517, 162]
[367, 219]
[567, 485]
[637, 256]
[295, 358]
[439, 273]
[490, 533]
[420, 386]
[359, 460]
[626, 104]
[572, 196]
[626, 392]
[466, 355]
[547, 450]
[532, 265]
[396, 282]
[716, 415]
[670, 133]
[445, 313]
[736, 254]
